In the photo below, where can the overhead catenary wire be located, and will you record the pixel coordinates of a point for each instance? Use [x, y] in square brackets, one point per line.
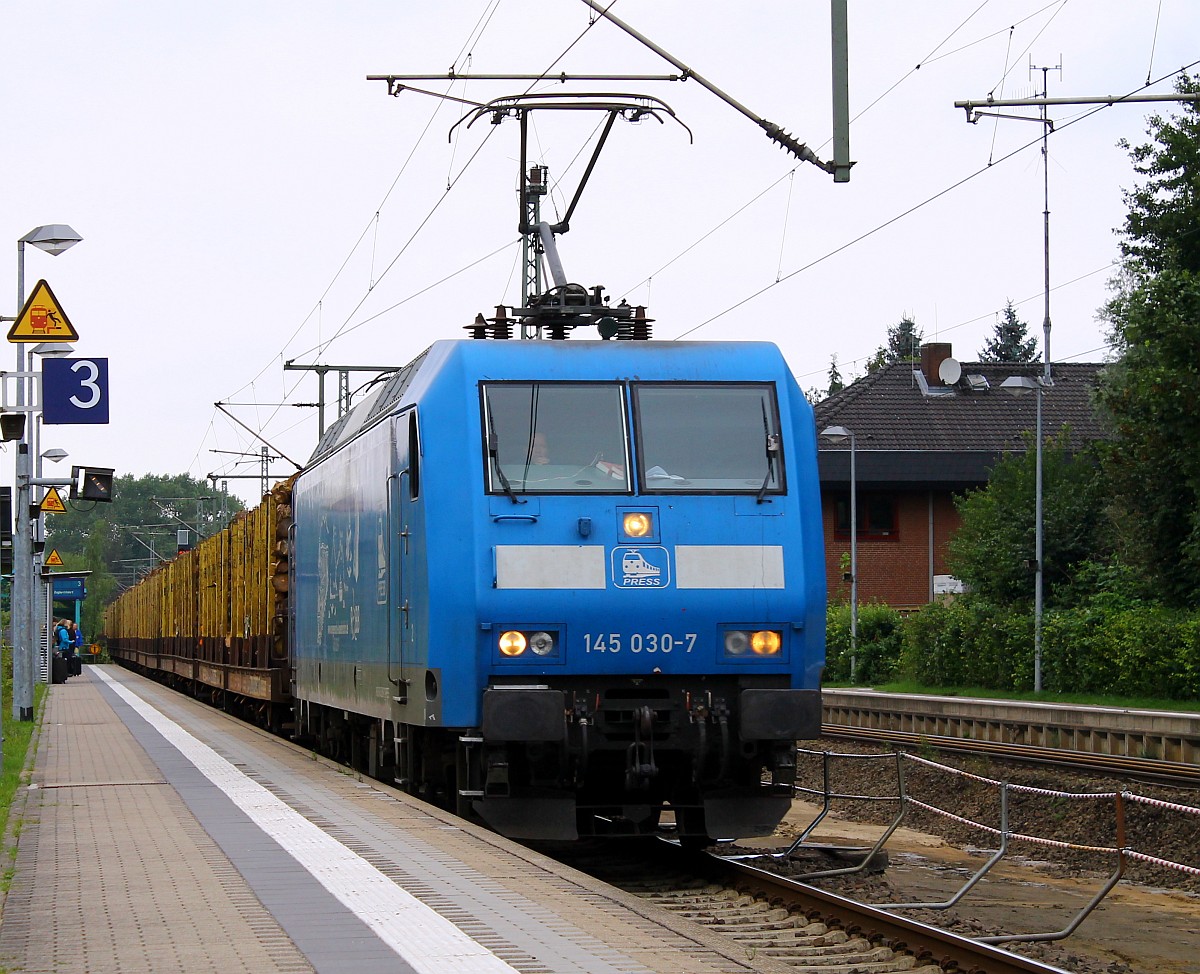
[324, 344]
[918, 206]
[1154, 42]
[416, 294]
[1032, 41]
[455, 179]
[345, 327]
[930, 58]
[476, 32]
[373, 223]
[996, 123]
[987, 315]
[349, 326]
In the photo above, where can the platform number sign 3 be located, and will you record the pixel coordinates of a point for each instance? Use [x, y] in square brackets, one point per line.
[74, 391]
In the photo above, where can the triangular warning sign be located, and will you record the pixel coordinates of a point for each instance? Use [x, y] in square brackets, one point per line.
[42, 318]
[52, 503]
[55, 560]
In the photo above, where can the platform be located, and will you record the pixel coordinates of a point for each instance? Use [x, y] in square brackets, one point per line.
[158, 834]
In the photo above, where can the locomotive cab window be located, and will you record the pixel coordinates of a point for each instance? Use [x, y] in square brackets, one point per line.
[555, 437]
[708, 438]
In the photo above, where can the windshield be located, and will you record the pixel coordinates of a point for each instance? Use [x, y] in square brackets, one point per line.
[698, 438]
[555, 437]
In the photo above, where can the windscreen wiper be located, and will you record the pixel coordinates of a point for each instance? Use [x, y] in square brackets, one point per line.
[772, 444]
[493, 445]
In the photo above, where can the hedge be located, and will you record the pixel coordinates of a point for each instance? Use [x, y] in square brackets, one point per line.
[1140, 650]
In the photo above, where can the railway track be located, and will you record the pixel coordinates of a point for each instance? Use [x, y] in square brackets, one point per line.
[794, 924]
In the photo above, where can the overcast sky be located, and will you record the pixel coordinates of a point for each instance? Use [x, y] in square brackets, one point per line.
[246, 197]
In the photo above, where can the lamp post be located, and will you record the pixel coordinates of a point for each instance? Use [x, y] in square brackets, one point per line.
[54, 239]
[1022, 385]
[839, 434]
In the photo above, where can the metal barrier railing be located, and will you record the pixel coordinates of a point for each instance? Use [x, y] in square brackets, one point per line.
[1120, 850]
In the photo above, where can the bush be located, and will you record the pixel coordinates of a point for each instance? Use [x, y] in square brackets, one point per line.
[968, 643]
[877, 657]
[1103, 647]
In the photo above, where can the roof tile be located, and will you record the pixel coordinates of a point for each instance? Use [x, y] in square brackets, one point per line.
[890, 410]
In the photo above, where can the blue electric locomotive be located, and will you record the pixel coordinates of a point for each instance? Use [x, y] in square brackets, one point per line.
[572, 588]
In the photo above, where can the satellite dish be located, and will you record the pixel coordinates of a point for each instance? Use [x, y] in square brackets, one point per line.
[950, 371]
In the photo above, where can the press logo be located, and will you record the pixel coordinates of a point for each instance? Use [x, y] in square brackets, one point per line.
[641, 567]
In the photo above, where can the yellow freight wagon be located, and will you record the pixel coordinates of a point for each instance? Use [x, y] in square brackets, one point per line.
[214, 619]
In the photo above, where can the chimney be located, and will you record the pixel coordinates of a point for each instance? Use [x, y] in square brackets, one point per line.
[932, 357]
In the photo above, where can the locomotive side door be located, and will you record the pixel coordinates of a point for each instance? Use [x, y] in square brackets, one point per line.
[402, 492]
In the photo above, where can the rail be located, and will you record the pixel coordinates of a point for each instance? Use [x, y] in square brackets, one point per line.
[926, 943]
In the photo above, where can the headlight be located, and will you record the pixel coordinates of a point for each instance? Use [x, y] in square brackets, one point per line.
[766, 643]
[518, 643]
[512, 643]
[762, 642]
[637, 524]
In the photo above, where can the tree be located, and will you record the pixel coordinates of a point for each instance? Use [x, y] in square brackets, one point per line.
[1164, 212]
[993, 550]
[903, 345]
[1008, 342]
[138, 529]
[100, 584]
[835, 376]
[1153, 462]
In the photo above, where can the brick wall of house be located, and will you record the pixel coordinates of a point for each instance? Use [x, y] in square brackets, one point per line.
[893, 570]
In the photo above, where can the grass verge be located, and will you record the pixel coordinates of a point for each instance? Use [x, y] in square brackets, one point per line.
[17, 735]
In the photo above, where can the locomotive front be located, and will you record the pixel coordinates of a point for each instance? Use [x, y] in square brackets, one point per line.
[573, 588]
[651, 616]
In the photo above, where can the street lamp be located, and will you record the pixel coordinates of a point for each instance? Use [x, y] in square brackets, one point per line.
[1022, 385]
[54, 239]
[839, 434]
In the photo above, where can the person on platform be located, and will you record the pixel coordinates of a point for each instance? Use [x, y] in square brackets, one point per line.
[76, 648]
[64, 648]
[62, 638]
